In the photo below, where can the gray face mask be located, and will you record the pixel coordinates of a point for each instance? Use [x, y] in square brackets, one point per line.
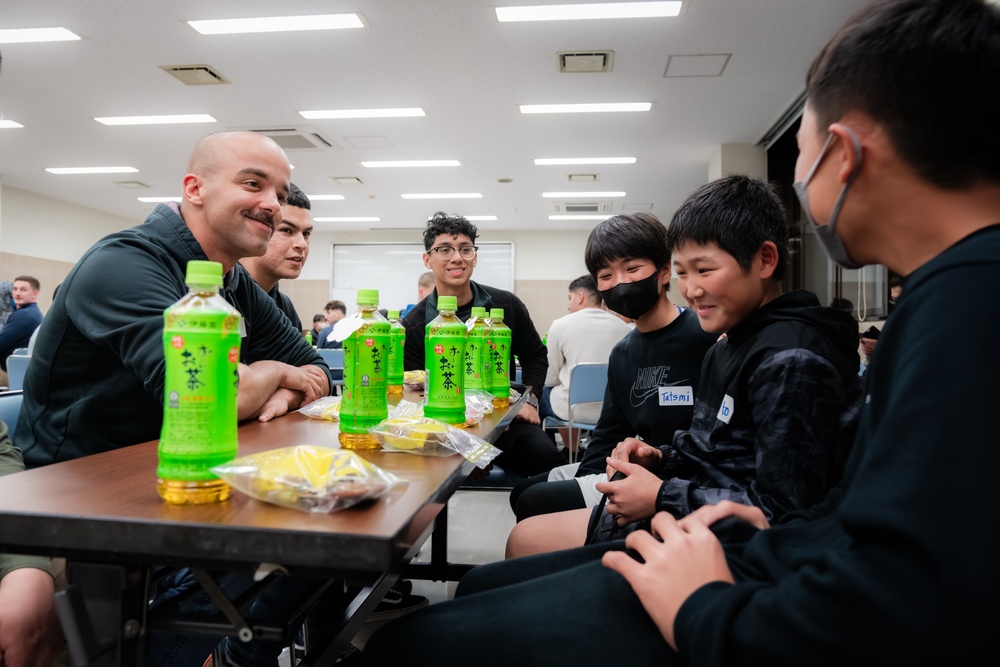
[832, 244]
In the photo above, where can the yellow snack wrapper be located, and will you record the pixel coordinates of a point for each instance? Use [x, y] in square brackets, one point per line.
[308, 478]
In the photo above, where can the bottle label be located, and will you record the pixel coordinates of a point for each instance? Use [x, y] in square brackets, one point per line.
[202, 354]
[445, 357]
[500, 361]
[366, 367]
[474, 358]
[397, 338]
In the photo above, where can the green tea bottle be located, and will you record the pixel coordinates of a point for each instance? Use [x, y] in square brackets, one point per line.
[444, 355]
[397, 343]
[366, 367]
[201, 350]
[474, 348]
[500, 358]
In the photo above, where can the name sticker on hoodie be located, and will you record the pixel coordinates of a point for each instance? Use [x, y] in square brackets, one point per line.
[727, 408]
[676, 396]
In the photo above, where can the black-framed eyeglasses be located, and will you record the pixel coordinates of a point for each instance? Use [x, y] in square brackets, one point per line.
[447, 251]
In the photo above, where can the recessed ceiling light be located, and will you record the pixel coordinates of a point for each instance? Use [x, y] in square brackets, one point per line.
[156, 120]
[158, 200]
[325, 114]
[277, 24]
[570, 195]
[22, 35]
[348, 219]
[412, 163]
[601, 10]
[586, 108]
[584, 160]
[578, 217]
[9, 125]
[325, 197]
[445, 195]
[91, 170]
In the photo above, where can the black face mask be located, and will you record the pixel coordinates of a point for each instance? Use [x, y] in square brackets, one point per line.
[633, 300]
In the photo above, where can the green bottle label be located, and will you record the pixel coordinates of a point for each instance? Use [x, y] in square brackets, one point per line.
[444, 357]
[397, 338]
[500, 361]
[201, 348]
[366, 368]
[474, 348]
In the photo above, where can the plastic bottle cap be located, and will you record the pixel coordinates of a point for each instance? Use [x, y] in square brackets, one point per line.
[496, 312]
[367, 297]
[202, 272]
[478, 311]
[393, 314]
[447, 303]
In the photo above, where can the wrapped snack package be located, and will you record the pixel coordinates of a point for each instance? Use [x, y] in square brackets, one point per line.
[327, 407]
[429, 437]
[406, 409]
[477, 404]
[308, 478]
[415, 380]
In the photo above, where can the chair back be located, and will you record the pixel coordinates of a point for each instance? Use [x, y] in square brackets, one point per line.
[10, 406]
[334, 357]
[17, 364]
[587, 382]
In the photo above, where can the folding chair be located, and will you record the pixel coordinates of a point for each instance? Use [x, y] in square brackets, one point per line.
[334, 358]
[587, 382]
[10, 406]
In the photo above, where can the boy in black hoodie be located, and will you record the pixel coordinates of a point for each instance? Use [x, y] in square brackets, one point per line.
[779, 396]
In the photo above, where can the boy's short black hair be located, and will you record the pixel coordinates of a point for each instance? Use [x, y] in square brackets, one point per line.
[297, 198]
[736, 213]
[452, 225]
[927, 71]
[638, 236]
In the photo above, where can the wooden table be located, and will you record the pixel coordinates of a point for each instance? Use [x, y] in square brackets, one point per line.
[104, 509]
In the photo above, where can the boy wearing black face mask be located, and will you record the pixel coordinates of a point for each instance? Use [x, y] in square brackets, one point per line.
[628, 259]
[779, 397]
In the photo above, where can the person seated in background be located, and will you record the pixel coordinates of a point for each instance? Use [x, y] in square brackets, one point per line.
[450, 254]
[319, 322]
[97, 376]
[587, 334]
[627, 257]
[335, 311]
[21, 324]
[425, 285]
[778, 399]
[898, 564]
[30, 633]
[286, 254]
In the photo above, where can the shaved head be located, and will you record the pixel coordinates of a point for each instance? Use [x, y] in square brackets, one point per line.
[208, 152]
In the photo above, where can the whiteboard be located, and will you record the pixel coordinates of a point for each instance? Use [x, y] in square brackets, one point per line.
[393, 269]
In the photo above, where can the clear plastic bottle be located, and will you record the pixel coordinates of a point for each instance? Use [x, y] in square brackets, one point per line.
[474, 348]
[397, 345]
[366, 366]
[444, 354]
[500, 336]
[201, 348]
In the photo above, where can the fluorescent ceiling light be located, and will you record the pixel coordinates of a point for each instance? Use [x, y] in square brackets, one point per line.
[586, 108]
[601, 10]
[9, 125]
[325, 197]
[571, 195]
[91, 170]
[584, 160]
[578, 217]
[157, 200]
[445, 195]
[277, 24]
[349, 219]
[362, 113]
[156, 120]
[412, 163]
[22, 35]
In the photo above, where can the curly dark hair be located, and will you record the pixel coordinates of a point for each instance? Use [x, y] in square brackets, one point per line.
[453, 225]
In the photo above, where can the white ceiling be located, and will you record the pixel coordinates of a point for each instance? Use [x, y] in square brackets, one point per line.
[451, 57]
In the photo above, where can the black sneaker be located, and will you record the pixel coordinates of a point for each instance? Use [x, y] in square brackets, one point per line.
[399, 601]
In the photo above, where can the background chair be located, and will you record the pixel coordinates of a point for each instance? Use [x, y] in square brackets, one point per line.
[587, 382]
[334, 358]
[17, 364]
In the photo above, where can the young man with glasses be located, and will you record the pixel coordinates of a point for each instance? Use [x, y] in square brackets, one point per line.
[450, 254]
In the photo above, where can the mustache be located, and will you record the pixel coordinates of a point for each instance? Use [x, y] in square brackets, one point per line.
[262, 217]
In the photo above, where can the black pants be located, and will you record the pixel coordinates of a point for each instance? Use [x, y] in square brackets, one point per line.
[563, 608]
[536, 495]
[527, 450]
